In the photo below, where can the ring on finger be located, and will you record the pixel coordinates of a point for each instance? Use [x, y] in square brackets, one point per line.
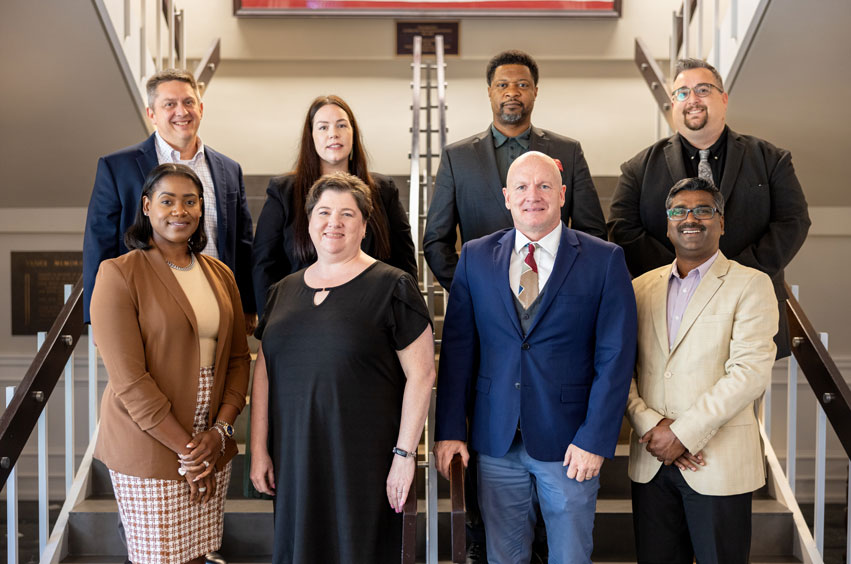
[202, 489]
[206, 464]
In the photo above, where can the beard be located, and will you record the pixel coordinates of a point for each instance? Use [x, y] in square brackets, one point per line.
[511, 118]
[701, 121]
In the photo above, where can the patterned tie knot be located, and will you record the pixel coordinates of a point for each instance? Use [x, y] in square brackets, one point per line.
[704, 154]
[530, 258]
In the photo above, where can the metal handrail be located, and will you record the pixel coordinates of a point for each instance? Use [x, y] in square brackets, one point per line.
[821, 372]
[20, 418]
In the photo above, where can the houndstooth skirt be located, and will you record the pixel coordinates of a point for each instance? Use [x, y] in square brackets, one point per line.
[161, 526]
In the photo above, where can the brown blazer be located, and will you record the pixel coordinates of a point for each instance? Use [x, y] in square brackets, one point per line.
[148, 337]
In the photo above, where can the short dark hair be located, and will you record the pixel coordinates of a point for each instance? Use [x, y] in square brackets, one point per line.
[139, 235]
[341, 182]
[167, 75]
[693, 185]
[512, 57]
[691, 63]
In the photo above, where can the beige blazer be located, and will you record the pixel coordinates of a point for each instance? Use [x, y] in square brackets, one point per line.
[720, 363]
[148, 337]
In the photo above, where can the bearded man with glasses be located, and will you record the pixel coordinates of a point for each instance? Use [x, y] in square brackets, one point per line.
[766, 210]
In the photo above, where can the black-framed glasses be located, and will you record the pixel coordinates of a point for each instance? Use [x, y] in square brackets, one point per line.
[699, 212]
[701, 90]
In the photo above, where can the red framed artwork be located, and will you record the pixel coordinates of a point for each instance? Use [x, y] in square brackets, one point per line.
[428, 8]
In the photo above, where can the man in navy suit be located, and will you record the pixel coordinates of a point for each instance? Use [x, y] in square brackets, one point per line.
[175, 108]
[538, 351]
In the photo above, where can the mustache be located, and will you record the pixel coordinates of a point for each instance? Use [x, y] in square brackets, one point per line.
[691, 226]
[503, 104]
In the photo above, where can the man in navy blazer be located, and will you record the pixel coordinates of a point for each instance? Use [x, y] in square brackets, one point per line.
[175, 108]
[543, 379]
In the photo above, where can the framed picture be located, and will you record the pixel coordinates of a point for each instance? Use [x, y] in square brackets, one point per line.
[429, 8]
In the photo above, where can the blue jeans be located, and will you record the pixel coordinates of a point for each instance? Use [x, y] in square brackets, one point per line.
[507, 488]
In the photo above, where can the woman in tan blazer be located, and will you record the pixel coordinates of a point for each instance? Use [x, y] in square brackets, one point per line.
[169, 325]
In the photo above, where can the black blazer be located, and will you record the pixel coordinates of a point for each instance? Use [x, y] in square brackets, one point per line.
[115, 197]
[765, 215]
[468, 194]
[274, 255]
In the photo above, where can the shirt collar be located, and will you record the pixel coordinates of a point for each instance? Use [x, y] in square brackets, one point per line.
[500, 138]
[548, 242]
[701, 270]
[714, 150]
[168, 151]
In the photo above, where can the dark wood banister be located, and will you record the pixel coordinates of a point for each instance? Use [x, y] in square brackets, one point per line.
[21, 416]
[821, 372]
[457, 519]
[409, 525]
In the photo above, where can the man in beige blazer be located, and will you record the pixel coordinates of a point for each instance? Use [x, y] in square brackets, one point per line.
[705, 353]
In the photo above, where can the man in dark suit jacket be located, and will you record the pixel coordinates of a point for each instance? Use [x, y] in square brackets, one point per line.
[472, 172]
[548, 374]
[766, 212]
[175, 108]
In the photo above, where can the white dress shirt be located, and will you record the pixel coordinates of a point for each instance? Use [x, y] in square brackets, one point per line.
[545, 257]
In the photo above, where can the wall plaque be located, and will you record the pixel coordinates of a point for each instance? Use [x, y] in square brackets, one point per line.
[406, 31]
[38, 293]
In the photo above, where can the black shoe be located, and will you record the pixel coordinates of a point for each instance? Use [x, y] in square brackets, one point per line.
[477, 553]
[214, 558]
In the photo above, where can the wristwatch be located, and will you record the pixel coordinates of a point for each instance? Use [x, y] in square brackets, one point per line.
[226, 427]
[404, 453]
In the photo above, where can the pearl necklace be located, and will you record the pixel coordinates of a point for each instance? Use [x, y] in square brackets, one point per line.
[183, 268]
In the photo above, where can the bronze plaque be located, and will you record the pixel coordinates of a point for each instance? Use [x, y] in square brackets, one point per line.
[38, 287]
[406, 31]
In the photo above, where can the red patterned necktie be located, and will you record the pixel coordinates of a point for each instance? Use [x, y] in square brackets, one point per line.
[528, 279]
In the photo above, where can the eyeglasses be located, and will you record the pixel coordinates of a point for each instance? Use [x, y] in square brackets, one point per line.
[701, 90]
[699, 212]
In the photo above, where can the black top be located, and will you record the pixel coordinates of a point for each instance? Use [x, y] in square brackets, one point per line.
[335, 402]
[273, 253]
[691, 156]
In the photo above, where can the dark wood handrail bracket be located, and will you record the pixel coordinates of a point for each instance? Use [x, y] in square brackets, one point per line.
[409, 525]
[456, 519]
[21, 416]
[821, 372]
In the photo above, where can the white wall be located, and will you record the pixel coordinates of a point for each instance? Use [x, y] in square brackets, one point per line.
[272, 69]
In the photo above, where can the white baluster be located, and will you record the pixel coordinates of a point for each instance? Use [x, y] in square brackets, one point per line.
[792, 414]
[69, 414]
[11, 501]
[43, 469]
[821, 462]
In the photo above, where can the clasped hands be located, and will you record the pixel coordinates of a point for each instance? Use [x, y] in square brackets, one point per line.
[199, 464]
[667, 448]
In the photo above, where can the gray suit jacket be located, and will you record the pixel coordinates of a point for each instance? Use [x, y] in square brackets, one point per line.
[468, 194]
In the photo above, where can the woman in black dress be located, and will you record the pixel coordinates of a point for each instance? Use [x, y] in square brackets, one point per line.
[341, 391]
[330, 142]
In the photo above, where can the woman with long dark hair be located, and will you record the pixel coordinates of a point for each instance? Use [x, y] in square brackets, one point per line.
[330, 142]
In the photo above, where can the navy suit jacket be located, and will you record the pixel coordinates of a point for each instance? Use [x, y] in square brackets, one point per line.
[564, 382]
[116, 195]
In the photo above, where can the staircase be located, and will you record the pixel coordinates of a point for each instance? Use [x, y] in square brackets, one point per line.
[92, 534]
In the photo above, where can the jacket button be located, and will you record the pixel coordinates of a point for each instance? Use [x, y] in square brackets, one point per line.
[668, 374]
[516, 385]
[525, 346]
